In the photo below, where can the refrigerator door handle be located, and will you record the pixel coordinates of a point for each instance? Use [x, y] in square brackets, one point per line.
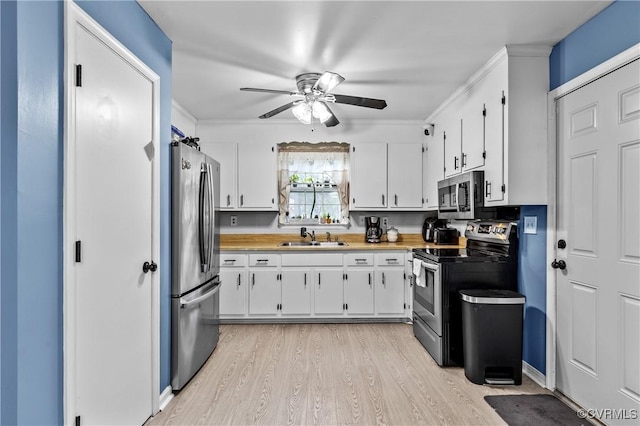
[203, 227]
[211, 215]
[197, 300]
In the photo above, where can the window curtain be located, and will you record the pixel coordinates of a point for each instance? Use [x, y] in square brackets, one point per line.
[329, 160]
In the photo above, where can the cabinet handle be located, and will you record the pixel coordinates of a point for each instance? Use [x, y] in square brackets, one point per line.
[229, 261]
[384, 282]
[262, 260]
[455, 163]
[228, 200]
[395, 199]
[305, 279]
[394, 261]
[464, 160]
[319, 279]
[238, 280]
[361, 261]
[369, 279]
[487, 189]
[383, 199]
[241, 200]
[253, 280]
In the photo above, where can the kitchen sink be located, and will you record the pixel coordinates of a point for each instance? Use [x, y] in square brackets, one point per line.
[312, 244]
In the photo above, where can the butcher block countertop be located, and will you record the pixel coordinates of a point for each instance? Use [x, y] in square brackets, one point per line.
[270, 242]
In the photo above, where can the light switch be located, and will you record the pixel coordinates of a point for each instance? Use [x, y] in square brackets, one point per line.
[530, 224]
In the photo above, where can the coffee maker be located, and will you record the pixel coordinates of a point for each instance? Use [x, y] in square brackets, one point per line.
[373, 230]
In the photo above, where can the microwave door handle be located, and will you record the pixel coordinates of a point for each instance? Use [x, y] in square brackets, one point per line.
[459, 196]
[201, 223]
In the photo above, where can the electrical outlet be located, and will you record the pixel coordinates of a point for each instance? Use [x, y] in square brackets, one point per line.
[361, 220]
[234, 220]
[385, 222]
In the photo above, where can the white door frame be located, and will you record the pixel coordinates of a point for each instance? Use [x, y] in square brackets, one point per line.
[73, 16]
[593, 74]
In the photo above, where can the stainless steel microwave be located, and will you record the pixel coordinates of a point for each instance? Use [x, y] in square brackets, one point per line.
[462, 197]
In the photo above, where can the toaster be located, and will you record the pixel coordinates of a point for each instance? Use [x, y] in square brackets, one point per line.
[446, 236]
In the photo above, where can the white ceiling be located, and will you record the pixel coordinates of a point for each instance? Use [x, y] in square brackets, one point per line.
[413, 54]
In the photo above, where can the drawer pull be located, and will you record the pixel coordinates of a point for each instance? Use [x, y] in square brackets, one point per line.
[360, 261]
[229, 261]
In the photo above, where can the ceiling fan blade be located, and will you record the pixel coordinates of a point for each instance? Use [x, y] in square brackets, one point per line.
[331, 121]
[278, 110]
[280, 92]
[328, 81]
[358, 101]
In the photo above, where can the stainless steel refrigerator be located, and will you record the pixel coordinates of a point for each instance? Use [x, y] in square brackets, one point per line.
[195, 253]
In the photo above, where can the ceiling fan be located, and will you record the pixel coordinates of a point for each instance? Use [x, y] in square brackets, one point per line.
[314, 90]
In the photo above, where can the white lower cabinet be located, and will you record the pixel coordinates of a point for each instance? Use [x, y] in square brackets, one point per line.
[391, 280]
[233, 290]
[320, 285]
[296, 291]
[359, 284]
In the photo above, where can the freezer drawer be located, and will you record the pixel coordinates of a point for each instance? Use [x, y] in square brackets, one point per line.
[194, 331]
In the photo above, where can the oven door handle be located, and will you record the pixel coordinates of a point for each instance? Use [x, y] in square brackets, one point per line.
[430, 266]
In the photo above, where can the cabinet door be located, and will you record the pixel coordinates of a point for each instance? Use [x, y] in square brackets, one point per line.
[434, 166]
[233, 292]
[328, 296]
[264, 291]
[473, 131]
[452, 145]
[404, 174]
[226, 155]
[390, 283]
[296, 291]
[257, 176]
[358, 291]
[368, 176]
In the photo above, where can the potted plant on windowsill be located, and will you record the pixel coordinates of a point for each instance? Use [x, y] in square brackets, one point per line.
[294, 179]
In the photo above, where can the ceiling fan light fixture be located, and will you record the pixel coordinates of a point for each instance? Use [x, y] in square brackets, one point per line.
[302, 112]
[320, 111]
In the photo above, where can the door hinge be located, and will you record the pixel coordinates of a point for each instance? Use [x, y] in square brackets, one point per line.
[484, 154]
[353, 148]
[273, 149]
[504, 100]
[423, 149]
[78, 251]
[77, 420]
[78, 75]
[484, 111]
[504, 188]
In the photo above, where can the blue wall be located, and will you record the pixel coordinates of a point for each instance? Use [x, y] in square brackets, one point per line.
[31, 173]
[532, 282]
[612, 31]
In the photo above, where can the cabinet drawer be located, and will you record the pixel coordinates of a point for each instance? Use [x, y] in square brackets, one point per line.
[359, 259]
[233, 260]
[264, 259]
[312, 259]
[390, 259]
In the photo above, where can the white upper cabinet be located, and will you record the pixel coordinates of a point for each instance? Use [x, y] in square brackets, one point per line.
[497, 123]
[433, 166]
[368, 179]
[404, 175]
[226, 155]
[386, 176]
[257, 176]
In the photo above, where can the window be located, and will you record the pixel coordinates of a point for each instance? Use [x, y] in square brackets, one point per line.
[313, 179]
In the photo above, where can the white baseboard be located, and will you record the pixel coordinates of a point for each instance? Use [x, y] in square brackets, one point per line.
[534, 374]
[165, 397]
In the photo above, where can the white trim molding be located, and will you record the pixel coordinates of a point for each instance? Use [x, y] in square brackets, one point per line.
[534, 374]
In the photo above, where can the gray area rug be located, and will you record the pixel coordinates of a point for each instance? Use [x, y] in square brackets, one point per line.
[534, 410]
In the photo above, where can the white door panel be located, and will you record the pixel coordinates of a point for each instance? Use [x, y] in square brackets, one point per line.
[598, 294]
[113, 193]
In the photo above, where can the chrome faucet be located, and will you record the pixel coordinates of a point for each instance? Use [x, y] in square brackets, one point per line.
[304, 233]
[313, 236]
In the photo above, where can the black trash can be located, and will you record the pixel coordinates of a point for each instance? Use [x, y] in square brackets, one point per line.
[492, 336]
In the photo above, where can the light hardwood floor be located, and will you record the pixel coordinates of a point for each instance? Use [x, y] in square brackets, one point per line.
[329, 374]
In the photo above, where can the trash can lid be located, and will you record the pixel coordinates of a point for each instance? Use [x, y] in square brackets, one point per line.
[492, 297]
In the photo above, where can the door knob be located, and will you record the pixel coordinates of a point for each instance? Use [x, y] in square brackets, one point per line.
[146, 267]
[559, 264]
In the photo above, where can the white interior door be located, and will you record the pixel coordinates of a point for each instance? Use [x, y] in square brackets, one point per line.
[598, 293]
[113, 190]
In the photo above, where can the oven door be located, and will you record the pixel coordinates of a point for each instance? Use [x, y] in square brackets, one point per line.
[427, 297]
